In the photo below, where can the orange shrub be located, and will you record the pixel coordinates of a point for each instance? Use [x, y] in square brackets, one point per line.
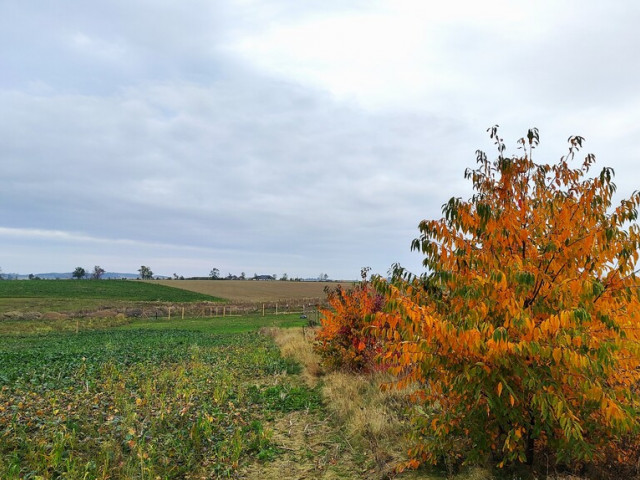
[345, 340]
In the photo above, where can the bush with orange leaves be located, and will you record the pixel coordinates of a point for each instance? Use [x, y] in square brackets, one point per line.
[524, 335]
[345, 340]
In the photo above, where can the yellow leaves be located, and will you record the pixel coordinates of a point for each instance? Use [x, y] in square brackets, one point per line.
[512, 400]
[594, 393]
[557, 355]
[502, 280]
[550, 326]
[499, 388]
[611, 410]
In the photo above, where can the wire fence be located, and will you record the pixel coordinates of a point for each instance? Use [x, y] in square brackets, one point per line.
[305, 307]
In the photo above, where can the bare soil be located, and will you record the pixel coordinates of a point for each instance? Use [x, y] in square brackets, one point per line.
[255, 291]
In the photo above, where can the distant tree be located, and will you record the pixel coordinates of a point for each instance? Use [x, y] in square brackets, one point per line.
[31, 276]
[243, 276]
[1, 275]
[145, 273]
[284, 277]
[214, 274]
[175, 276]
[79, 273]
[98, 271]
[323, 277]
[275, 277]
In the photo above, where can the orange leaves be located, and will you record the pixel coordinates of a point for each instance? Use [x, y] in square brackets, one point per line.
[557, 355]
[611, 411]
[529, 292]
[345, 339]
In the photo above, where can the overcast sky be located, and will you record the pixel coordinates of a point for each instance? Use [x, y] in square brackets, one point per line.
[273, 136]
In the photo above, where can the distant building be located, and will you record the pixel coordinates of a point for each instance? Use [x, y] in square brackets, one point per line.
[263, 277]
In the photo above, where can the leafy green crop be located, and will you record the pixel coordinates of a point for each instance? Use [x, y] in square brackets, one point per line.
[187, 400]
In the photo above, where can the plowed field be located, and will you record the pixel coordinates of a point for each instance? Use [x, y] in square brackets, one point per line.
[253, 291]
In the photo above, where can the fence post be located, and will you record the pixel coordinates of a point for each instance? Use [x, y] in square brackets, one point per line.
[182, 313]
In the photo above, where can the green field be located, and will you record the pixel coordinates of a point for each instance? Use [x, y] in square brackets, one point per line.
[128, 290]
[85, 295]
[123, 397]
[180, 399]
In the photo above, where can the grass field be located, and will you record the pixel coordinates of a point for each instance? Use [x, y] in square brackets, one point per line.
[252, 291]
[103, 289]
[70, 295]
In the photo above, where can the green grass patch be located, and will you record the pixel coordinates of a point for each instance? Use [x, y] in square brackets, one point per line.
[167, 399]
[121, 290]
[219, 325]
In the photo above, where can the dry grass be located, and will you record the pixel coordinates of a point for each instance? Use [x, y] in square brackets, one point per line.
[253, 291]
[296, 343]
[374, 420]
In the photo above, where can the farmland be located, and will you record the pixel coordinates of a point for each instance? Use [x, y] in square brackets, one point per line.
[76, 295]
[252, 291]
[140, 398]
[175, 401]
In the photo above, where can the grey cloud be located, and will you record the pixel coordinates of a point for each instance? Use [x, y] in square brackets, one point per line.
[255, 165]
[132, 121]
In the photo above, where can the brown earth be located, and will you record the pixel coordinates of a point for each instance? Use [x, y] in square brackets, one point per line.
[255, 291]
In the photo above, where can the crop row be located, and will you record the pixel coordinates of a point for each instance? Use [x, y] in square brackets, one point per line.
[140, 403]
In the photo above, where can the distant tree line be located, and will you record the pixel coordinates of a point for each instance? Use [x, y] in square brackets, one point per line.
[80, 273]
[145, 273]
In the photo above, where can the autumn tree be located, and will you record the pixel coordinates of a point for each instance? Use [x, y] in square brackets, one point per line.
[523, 333]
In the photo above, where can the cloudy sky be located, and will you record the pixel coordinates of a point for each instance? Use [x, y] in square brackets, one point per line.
[273, 136]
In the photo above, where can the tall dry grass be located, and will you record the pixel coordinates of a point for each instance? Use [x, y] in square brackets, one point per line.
[375, 420]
